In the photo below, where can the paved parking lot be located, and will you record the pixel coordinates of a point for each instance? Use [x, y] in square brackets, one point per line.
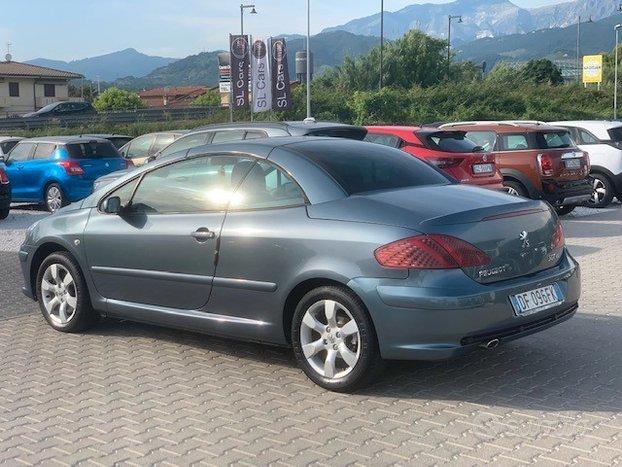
[138, 394]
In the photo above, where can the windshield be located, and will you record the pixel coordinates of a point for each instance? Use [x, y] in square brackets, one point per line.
[360, 167]
[92, 150]
[451, 141]
[616, 134]
[48, 107]
[554, 140]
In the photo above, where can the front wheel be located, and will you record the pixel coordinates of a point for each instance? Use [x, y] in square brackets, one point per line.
[563, 210]
[515, 188]
[334, 339]
[54, 197]
[602, 194]
[62, 294]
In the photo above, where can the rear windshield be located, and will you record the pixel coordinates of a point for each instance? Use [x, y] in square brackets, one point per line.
[362, 168]
[92, 150]
[451, 141]
[553, 140]
[7, 146]
[616, 134]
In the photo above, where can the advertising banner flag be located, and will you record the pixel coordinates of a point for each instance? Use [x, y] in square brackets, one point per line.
[281, 86]
[261, 79]
[593, 69]
[239, 71]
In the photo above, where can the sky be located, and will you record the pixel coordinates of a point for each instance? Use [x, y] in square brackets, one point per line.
[75, 29]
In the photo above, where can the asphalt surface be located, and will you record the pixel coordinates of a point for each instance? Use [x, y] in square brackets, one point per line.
[136, 394]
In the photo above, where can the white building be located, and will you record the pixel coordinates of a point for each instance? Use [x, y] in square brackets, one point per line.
[25, 88]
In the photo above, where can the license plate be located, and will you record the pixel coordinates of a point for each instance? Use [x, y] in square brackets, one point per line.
[573, 163]
[483, 168]
[535, 300]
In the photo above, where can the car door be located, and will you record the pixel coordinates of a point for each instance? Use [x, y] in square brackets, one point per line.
[20, 176]
[41, 166]
[258, 247]
[161, 249]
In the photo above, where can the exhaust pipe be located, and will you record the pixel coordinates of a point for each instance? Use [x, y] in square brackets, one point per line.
[492, 344]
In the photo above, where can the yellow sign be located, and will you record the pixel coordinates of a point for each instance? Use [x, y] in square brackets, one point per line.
[593, 69]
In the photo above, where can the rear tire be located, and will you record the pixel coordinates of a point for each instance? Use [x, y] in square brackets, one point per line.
[334, 339]
[563, 210]
[603, 193]
[4, 213]
[54, 197]
[515, 188]
[62, 294]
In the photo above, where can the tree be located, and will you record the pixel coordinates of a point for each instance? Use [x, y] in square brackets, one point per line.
[117, 99]
[209, 99]
[542, 71]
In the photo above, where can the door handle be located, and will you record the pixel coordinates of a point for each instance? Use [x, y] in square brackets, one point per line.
[203, 234]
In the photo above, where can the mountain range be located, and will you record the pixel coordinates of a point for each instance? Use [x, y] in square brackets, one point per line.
[480, 18]
[491, 30]
[109, 67]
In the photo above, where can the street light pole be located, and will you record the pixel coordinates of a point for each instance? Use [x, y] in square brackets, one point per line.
[308, 58]
[450, 18]
[579, 50]
[615, 80]
[381, 41]
[253, 12]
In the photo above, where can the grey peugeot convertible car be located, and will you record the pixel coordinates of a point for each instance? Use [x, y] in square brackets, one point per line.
[350, 252]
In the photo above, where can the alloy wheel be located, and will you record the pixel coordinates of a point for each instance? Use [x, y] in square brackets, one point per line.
[599, 192]
[330, 339]
[58, 290]
[54, 198]
[512, 191]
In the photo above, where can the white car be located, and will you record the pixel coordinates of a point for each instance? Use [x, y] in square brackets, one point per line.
[7, 143]
[602, 140]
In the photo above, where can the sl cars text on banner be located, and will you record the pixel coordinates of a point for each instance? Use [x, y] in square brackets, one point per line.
[261, 79]
[239, 71]
[281, 87]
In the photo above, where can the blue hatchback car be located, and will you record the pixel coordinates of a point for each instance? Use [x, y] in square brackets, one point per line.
[56, 171]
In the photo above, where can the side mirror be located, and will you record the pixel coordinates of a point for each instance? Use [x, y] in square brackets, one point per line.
[112, 205]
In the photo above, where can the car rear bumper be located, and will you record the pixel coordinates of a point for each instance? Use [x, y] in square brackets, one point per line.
[436, 322]
[567, 193]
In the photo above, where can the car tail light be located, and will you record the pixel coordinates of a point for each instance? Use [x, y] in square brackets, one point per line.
[71, 167]
[4, 178]
[446, 162]
[559, 240]
[546, 165]
[588, 163]
[432, 251]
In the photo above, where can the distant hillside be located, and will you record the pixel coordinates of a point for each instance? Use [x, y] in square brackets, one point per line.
[329, 49]
[555, 44]
[111, 66]
[481, 18]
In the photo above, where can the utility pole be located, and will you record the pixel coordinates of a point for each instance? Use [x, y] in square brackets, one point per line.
[381, 42]
[308, 58]
[615, 80]
[450, 18]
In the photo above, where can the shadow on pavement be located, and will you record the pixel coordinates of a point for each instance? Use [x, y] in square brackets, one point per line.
[575, 366]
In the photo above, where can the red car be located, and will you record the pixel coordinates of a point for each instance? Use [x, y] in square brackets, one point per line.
[449, 150]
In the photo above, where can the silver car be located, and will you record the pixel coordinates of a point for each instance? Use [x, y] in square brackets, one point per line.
[349, 252]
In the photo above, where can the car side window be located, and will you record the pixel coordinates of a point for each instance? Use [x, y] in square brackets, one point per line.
[44, 151]
[185, 142]
[124, 193]
[514, 142]
[21, 152]
[228, 135]
[484, 139]
[140, 146]
[255, 134]
[161, 142]
[585, 137]
[386, 140]
[201, 184]
[267, 187]
[7, 146]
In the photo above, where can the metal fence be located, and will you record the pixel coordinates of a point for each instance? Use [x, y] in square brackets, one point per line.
[161, 114]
